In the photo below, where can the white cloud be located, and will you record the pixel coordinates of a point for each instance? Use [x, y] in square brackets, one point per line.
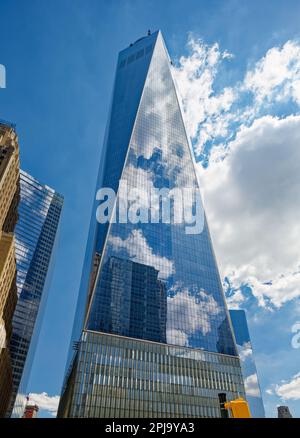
[140, 251]
[252, 183]
[235, 300]
[276, 76]
[251, 198]
[177, 337]
[245, 351]
[188, 312]
[251, 385]
[213, 116]
[45, 402]
[195, 76]
[289, 390]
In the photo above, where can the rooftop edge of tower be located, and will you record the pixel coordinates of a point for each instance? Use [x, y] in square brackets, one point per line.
[140, 43]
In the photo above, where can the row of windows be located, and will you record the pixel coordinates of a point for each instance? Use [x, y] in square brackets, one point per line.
[158, 353]
[109, 390]
[133, 57]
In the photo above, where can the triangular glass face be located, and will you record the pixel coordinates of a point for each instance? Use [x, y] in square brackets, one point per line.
[155, 281]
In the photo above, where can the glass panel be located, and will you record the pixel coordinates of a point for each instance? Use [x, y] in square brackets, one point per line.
[157, 282]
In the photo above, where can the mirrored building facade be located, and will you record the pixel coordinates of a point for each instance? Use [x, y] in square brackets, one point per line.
[152, 335]
[250, 375]
[36, 235]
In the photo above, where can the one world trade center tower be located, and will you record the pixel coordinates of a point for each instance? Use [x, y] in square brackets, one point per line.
[152, 336]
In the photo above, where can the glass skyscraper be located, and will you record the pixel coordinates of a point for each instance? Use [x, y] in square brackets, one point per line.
[152, 336]
[244, 345]
[36, 236]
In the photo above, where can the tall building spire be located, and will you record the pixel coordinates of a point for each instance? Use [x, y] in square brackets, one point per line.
[151, 290]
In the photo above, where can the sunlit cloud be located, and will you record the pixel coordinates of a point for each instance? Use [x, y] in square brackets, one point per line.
[45, 402]
[251, 386]
[287, 390]
[193, 309]
[140, 251]
[252, 179]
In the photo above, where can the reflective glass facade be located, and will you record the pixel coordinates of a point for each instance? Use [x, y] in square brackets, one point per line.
[149, 281]
[159, 156]
[244, 345]
[36, 234]
[118, 377]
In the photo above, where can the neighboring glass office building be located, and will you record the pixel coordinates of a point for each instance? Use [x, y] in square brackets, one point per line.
[36, 236]
[152, 334]
[242, 336]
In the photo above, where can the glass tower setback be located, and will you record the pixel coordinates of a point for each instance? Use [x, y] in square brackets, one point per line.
[148, 286]
[244, 345]
[36, 235]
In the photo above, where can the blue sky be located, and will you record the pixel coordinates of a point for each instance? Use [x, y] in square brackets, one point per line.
[60, 58]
